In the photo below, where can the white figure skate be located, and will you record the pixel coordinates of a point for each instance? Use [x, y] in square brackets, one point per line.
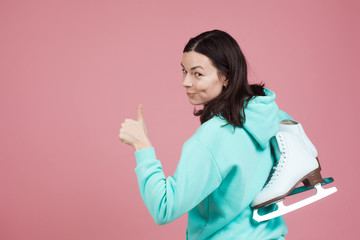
[296, 162]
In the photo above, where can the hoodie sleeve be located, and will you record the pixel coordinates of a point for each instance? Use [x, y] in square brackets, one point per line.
[283, 115]
[167, 199]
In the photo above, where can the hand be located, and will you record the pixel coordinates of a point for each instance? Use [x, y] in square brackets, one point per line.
[134, 133]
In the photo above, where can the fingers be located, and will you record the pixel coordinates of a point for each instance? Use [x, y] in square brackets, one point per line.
[124, 134]
[129, 128]
[140, 113]
[133, 131]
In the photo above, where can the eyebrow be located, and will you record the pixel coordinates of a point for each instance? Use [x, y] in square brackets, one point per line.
[193, 67]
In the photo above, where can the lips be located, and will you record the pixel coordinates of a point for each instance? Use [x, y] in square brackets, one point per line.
[190, 94]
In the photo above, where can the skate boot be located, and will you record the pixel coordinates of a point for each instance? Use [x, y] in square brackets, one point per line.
[296, 162]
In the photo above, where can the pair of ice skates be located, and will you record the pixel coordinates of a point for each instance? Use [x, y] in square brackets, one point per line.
[296, 162]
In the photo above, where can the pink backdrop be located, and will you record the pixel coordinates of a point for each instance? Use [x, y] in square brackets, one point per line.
[72, 71]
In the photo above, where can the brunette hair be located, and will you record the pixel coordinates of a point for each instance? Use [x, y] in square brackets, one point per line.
[225, 54]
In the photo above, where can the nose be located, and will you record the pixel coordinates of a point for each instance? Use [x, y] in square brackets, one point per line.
[187, 81]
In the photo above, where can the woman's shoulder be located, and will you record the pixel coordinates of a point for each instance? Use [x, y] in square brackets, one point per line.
[211, 126]
[216, 129]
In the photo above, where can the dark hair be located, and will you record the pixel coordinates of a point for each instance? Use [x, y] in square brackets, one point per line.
[225, 54]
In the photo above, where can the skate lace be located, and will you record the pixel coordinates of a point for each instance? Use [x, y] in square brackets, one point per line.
[279, 166]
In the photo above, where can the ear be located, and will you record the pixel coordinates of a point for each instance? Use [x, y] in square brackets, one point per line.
[225, 81]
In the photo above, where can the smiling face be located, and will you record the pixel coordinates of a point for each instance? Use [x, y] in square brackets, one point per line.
[200, 78]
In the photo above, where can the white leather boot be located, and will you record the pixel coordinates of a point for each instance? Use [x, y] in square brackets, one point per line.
[296, 162]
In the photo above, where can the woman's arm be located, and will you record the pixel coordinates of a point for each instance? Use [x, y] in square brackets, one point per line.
[196, 175]
[169, 198]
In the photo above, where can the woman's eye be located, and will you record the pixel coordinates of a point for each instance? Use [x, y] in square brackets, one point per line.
[184, 71]
[198, 74]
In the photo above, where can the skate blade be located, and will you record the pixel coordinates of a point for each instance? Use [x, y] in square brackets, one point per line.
[282, 209]
[304, 189]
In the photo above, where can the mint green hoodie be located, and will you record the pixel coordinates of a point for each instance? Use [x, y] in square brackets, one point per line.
[219, 174]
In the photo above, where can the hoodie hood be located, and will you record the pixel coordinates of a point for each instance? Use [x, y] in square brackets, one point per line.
[261, 118]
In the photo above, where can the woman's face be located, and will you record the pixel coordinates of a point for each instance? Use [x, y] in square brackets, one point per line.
[200, 78]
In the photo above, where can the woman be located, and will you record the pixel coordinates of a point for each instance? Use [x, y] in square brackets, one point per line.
[225, 164]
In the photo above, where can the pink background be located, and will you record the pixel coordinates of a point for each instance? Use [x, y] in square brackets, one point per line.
[72, 71]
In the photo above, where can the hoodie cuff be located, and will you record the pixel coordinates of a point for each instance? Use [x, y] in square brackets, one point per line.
[145, 155]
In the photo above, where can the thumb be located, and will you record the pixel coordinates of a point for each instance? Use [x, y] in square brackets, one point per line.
[140, 113]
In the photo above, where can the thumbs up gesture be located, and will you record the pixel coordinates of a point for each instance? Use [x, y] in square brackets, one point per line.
[134, 133]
